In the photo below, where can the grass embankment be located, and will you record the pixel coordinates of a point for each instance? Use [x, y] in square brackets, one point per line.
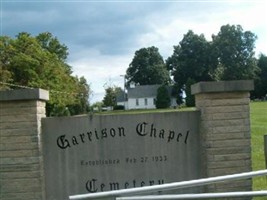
[258, 117]
[140, 111]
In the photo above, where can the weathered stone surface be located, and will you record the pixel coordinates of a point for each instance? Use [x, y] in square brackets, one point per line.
[229, 157]
[19, 167]
[227, 171]
[19, 146]
[24, 94]
[21, 162]
[20, 175]
[222, 86]
[17, 125]
[22, 195]
[229, 150]
[19, 153]
[154, 146]
[225, 138]
[229, 116]
[18, 139]
[225, 130]
[227, 122]
[18, 132]
[20, 185]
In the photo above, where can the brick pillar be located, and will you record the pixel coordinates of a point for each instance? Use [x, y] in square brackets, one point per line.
[225, 131]
[21, 160]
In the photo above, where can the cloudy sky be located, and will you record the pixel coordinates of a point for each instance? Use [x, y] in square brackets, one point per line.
[102, 36]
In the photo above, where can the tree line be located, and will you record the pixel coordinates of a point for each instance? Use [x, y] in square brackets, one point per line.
[229, 55]
[41, 62]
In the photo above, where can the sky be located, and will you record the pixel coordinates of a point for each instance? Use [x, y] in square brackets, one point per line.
[102, 36]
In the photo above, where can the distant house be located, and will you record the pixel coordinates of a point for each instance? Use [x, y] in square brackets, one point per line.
[121, 99]
[142, 97]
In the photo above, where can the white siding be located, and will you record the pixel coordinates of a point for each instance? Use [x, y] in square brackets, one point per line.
[150, 103]
[142, 103]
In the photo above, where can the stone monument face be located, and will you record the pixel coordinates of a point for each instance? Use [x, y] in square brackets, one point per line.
[89, 154]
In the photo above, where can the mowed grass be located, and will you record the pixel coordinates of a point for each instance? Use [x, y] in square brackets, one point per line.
[258, 120]
[141, 111]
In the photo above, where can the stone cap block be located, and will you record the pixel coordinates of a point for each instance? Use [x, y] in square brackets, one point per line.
[222, 86]
[24, 94]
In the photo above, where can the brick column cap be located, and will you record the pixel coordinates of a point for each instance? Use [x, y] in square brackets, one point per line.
[222, 86]
[24, 94]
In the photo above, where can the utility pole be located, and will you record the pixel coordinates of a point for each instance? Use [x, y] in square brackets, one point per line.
[124, 92]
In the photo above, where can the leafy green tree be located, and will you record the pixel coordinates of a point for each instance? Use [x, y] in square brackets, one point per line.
[260, 90]
[52, 44]
[26, 62]
[189, 99]
[234, 50]
[147, 68]
[178, 93]
[190, 62]
[83, 92]
[163, 99]
[6, 50]
[110, 96]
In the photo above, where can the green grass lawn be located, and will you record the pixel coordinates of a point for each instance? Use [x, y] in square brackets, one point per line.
[140, 111]
[258, 117]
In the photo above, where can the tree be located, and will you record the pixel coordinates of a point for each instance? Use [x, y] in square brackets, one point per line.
[260, 90]
[50, 43]
[147, 68]
[190, 62]
[24, 61]
[189, 99]
[163, 99]
[110, 96]
[234, 50]
[6, 50]
[81, 105]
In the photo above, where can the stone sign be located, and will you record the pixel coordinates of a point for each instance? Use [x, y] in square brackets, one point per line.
[87, 154]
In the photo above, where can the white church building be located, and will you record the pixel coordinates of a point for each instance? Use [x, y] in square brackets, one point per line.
[142, 97]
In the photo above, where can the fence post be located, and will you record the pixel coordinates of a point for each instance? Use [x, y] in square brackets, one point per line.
[21, 160]
[225, 131]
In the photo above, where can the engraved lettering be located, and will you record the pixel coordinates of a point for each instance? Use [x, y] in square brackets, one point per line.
[186, 137]
[74, 140]
[82, 137]
[121, 131]
[141, 129]
[91, 186]
[104, 133]
[171, 136]
[112, 132]
[114, 186]
[152, 131]
[62, 142]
